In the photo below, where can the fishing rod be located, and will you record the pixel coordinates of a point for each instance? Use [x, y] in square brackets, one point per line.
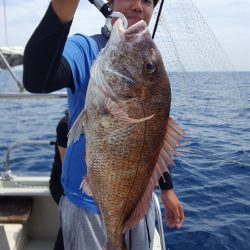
[107, 11]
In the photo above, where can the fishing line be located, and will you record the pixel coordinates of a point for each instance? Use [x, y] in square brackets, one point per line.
[157, 19]
[199, 69]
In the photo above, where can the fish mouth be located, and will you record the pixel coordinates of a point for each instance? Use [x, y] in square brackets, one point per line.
[134, 31]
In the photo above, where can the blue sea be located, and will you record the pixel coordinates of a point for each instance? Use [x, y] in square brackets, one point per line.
[212, 174]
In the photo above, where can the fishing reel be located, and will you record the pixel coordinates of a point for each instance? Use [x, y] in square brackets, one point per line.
[107, 11]
[103, 7]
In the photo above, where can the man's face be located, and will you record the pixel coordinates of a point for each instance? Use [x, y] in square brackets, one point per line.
[134, 10]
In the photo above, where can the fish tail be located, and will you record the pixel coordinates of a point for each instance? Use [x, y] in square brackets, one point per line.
[109, 246]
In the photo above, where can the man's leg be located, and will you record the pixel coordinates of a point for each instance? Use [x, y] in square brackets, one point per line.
[142, 236]
[82, 230]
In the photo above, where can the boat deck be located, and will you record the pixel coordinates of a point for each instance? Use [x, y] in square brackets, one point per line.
[37, 231]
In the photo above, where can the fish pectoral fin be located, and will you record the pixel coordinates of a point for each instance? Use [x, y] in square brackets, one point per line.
[174, 135]
[85, 186]
[77, 128]
[111, 107]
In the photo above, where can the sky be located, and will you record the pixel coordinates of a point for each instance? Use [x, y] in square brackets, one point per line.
[228, 19]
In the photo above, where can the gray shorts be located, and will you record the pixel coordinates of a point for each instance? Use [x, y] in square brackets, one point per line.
[83, 230]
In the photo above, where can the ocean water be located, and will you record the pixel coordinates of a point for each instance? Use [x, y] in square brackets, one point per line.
[212, 173]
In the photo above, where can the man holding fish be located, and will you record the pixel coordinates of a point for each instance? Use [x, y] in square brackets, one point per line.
[122, 138]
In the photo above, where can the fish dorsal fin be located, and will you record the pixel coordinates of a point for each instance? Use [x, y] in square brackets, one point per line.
[174, 135]
[77, 128]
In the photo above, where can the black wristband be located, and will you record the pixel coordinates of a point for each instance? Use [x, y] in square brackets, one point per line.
[166, 183]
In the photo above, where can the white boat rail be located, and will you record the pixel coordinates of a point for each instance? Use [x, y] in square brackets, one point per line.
[159, 220]
[7, 174]
[25, 95]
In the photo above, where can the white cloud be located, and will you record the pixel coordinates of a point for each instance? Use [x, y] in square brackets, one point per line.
[230, 22]
[229, 19]
[23, 18]
[88, 21]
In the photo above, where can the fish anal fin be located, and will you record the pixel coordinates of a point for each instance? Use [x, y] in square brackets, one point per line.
[85, 186]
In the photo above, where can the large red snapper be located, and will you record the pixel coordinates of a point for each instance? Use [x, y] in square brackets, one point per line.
[130, 138]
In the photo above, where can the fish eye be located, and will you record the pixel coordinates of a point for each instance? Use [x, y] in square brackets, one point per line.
[149, 67]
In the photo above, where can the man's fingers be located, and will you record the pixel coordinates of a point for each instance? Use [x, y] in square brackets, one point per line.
[170, 221]
[174, 210]
[181, 218]
[177, 215]
[177, 218]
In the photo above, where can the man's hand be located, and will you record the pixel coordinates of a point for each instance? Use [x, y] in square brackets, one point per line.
[174, 212]
[65, 9]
